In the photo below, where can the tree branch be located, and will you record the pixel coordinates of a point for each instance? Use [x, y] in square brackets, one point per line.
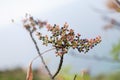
[43, 53]
[106, 18]
[38, 51]
[59, 67]
[47, 51]
[97, 58]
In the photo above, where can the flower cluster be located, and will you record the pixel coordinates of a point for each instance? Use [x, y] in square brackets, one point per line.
[63, 39]
[31, 24]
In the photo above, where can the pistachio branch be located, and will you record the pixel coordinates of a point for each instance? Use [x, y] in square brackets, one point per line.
[38, 51]
[59, 67]
[62, 39]
[60, 64]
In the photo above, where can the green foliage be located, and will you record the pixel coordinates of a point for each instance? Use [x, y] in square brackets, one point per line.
[16, 74]
[19, 74]
[115, 52]
[111, 76]
[67, 75]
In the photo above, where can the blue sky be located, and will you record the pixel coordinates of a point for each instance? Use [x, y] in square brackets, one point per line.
[16, 48]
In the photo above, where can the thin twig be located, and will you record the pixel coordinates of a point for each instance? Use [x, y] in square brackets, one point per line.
[75, 77]
[106, 18]
[97, 58]
[38, 51]
[47, 51]
[59, 67]
[43, 53]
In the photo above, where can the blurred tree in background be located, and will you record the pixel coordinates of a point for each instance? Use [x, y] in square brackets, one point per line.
[114, 23]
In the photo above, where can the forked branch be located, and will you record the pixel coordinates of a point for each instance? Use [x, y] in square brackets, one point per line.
[38, 51]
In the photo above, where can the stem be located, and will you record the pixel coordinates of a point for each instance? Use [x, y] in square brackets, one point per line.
[47, 51]
[43, 53]
[38, 51]
[59, 67]
[75, 77]
[97, 58]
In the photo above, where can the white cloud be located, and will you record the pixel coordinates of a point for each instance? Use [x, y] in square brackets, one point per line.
[14, 9]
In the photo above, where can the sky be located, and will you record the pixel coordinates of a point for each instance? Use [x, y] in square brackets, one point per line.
[17, 8]
[16, 48]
